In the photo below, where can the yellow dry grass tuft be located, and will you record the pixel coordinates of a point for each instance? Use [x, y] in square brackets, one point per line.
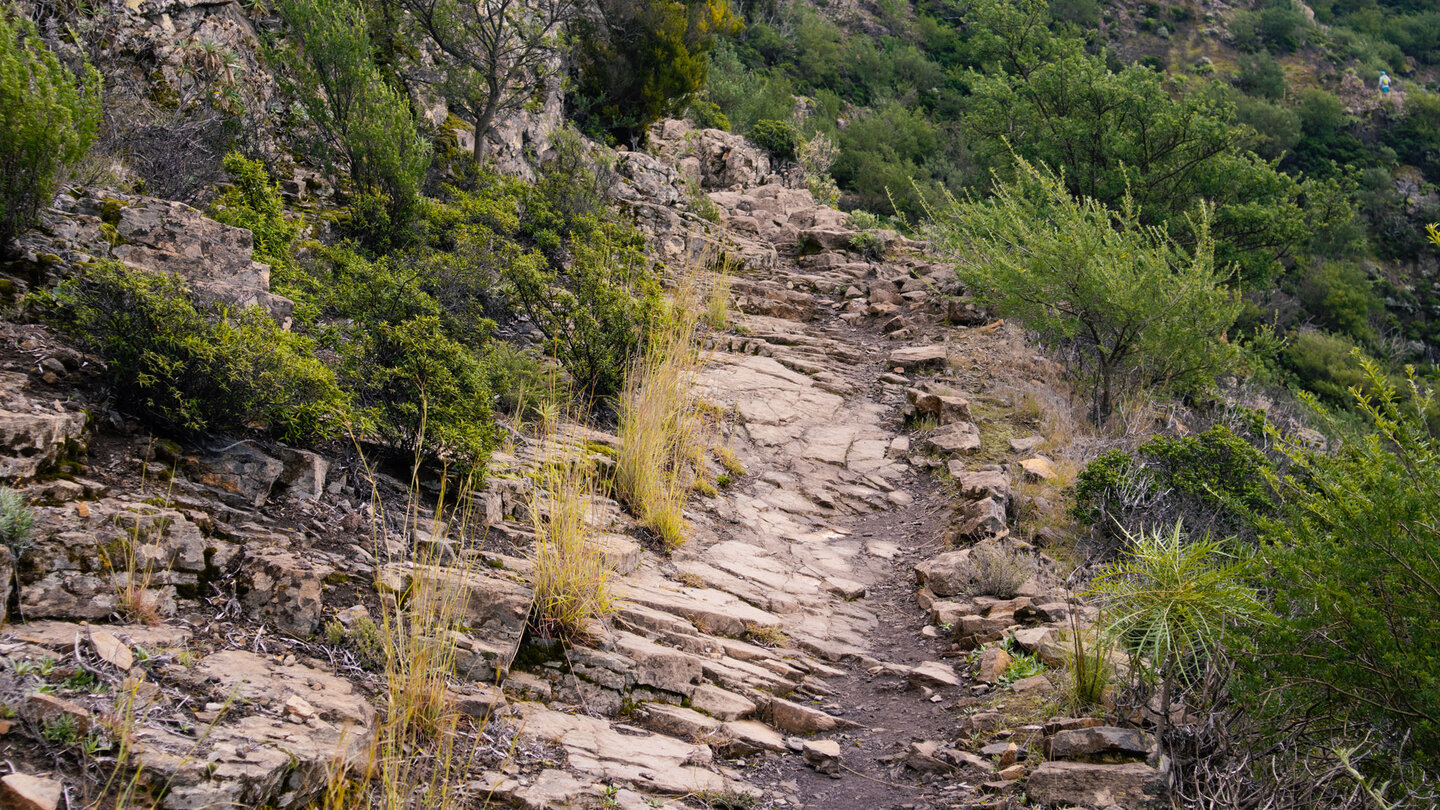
[571, 577]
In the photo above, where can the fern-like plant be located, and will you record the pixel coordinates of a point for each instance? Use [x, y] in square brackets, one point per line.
[1170, 599]
[17, 522]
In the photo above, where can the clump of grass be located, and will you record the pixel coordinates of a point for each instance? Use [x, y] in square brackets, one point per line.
[571, 577]
[717, 302]
[17, 521]
[998, 571]
[661, 430]
[729, 461]
[766, 635]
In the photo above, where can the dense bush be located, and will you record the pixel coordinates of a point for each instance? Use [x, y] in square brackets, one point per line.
[1213, 481]
[1352, 559]
[779, 138]
[640, 60]
[252, 201]
[359, 119]
[197, 367]
[47, 121]
[1138, 309]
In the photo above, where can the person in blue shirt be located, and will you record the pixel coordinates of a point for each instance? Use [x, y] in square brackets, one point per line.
[1384, 82]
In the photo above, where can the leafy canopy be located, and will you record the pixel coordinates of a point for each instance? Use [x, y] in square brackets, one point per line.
[1138, 308]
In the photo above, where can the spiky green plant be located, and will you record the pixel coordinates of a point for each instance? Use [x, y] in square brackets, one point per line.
[1169, 599]
[17, 522]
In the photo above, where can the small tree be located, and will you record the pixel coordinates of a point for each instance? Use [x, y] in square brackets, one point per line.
[47, 122]
[1135, 306]
[1169, 601]
[1354, 558]
[495, 55]
[358, 116]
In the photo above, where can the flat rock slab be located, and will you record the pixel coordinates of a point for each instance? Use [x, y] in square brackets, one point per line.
[653, 763]
[19, 791]
[1057, 783]
[934, 673]
[1100, 743]
[920, 357]
[961, 438]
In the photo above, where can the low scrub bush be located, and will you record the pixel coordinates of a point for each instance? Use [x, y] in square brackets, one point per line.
[193, 366]
[252, 201]
[1214, 481]
[779, 138]
[17, 522]
[48, 119]
[999, 571]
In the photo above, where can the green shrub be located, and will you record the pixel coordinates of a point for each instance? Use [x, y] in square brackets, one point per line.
[1141, 310]
[1325, 364]
[252, 201]
[17, 521]
[359, 117]
[47, 122]
[779, 138]
[196, 367]
[1352, 566]
[1214, 481]
[873, 245]
[998, 571]
[422, 391]
[708, 115]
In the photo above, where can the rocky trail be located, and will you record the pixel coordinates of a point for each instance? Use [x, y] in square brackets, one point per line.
[814, 644]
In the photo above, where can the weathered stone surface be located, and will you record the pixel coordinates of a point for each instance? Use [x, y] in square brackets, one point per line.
[658, 666]
[929, 756]
[111, 650]
[20, 791]
[992, 665]
[721, 703]
[946, 574]
[495, 608]
[620, 553]
[982, 519]
[1057, 783]
[677, 721]
[915, 358]
[978, 484]
[241, 475]
[1100, 743]
[1038, 468]
[62, 635]
[40, 708]
[652, 762]
[284, 590]
[934, 673]
[961, 438]
[304, 474]
[822, 755]
[744, 737]
[31, 440]
[800, 719]
[7, 581]
[161, 236]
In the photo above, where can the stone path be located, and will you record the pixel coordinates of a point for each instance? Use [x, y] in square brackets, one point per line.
[785, 653]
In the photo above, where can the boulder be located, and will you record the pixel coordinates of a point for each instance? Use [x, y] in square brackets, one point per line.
[1038, 468]
[21, 791]
[494, 608]
[284, 590]
[961, 438]
[822, 755]
[916, 358]
[1057, 783]
[939, 403]
[32, 440]
[677, 721]
[661, 667]
[980, 484]
[799, 719]
[946, 574]
[304, 474]
[981, 519]
[721, 703]
[746, 737]
[241, 475]
[1100, 744]
[992, 665]
[934, 674]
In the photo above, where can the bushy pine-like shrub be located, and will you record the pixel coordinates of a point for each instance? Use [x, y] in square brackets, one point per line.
[47, 121]
[779, 138]
[196, 367]
[252, 201]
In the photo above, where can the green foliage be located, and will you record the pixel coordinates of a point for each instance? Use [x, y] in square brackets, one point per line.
[1169, 602]
[1214, 480]
[17, 521]
[1352, 566]
[708, 115]
[641, 60]
[1340, 295]
[252, 201]
[1138, 308]
[873, 245]
[358, 116]
[779, 138]
[1120, 133]
[47, 121]
[1022, 665]
[422, 391]
[1325, 364]
[1260, 75]
[196, 367]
